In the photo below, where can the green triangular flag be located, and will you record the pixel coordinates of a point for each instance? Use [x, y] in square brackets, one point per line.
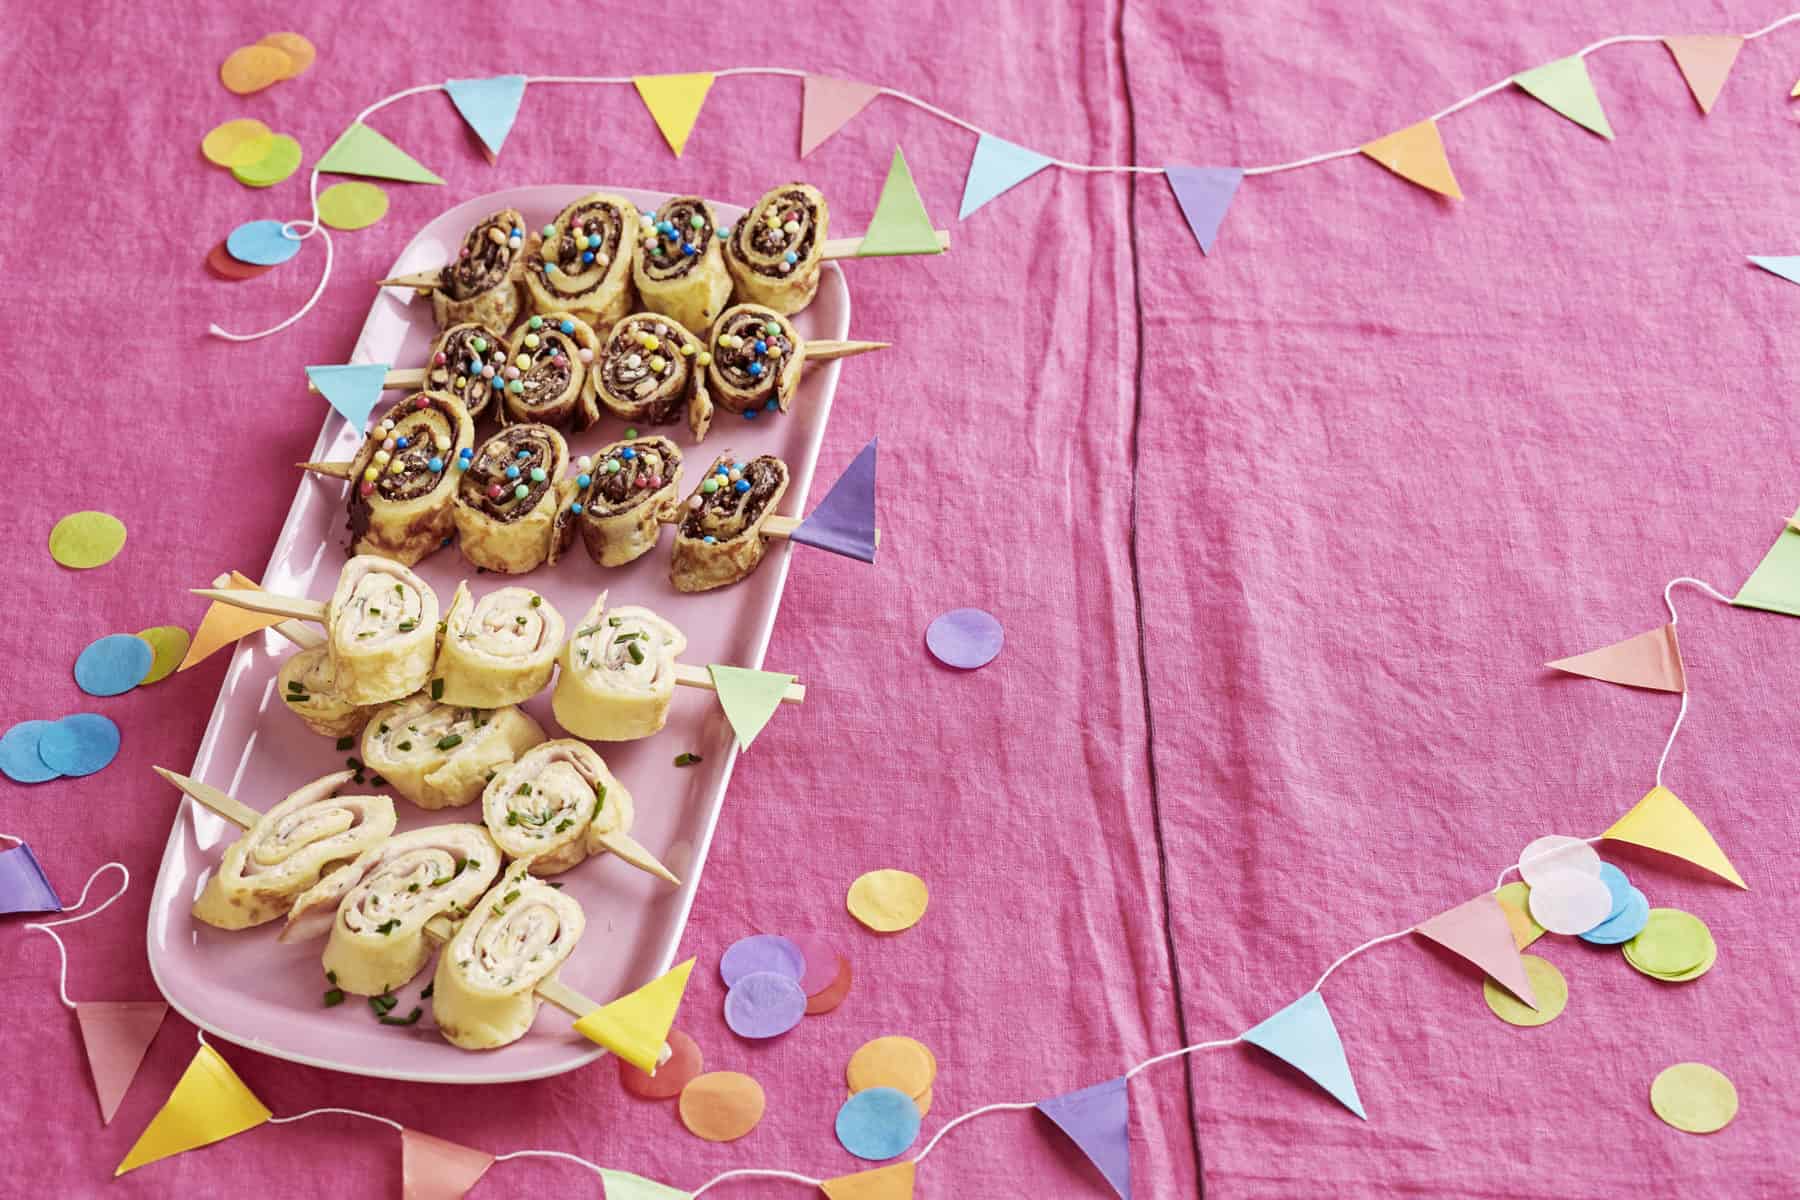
[749, 698]
[1775, 584]
[623, 1185]
[362, 151]
[900, 224]
[1565, 86]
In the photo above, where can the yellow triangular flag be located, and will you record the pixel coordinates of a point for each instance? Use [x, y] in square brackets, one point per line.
[209, 1104]
[674, 101]
[1660, 821]
[1416, 154]
[635, 1026]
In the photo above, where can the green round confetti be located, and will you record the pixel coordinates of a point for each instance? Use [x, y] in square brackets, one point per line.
[355, 205]
[1547, 983]
[1672, 942]
[170, 643]
[87, 539]
[279, 160]
[1694, 1098]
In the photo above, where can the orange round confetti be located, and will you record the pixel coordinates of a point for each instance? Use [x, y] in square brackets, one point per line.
[923, 1100]
[220, 262]
[834, 993]
[683, 1065]
[300, 52]
[253, 68]
[236, 143]
[722, 1106]
[897, 1062]
[888, 901]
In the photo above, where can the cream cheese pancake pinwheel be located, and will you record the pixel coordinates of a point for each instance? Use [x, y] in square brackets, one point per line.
[618, 674]
[719, 539]
[469, 362]
[483, 994]
[775, 250]
[756, 360]
[288, 849]
[508, 499]
[678, 262]
[308, 685]
[498, 650]
[440, 755]
[652, 371]
[403, 478]
[580, 263]
[482, 285]
[557, 804]
[381, 630]
[622, 496]
[547, 378]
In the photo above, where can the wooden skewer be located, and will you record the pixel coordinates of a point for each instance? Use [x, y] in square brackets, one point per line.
[774, 527]
[825, 351]
[418, 279]
[401, 377]
[293, 631]
[846, 247]
[336, 470]
[697, 677]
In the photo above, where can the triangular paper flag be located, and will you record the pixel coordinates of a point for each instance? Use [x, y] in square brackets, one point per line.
[434, 1169]
[1565, 86]
[224, 624]
[827, 106]
[674, 102]
[1204, 194]
[844, 521]
[997, 166]
[1416, 154]
[24, 888]
[900, 224]
[209, 1104]
[1098, 1120]
[749, 698]
[1303, 1035]
[1795, 90]
[636, 1025]
[1775, 584]
[1480, 931]
[879, 1183]
[490, 106]
[115, 1034]
[623, 1185]
[359, 150]
[1705, 60]
[1785, 265]
[353, 389]
[1660, 821]
[1649, 660]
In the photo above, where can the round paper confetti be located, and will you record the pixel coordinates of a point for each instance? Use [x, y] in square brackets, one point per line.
[878, 1124]
[1557, 852]
[1694, 1098]
[80, 744]
[683, 1065]
[298, 51]
[764, 1004]
[832, 996]
[965, 638]
[220, 263]
[87, 539]
[821, 959]
[168, 645]
[280, 158]
[114, 664]
[262, 243]
[722, 1106]
[1547, 984]
[888, 901]
[1671, 944]
[761, 952]
[923, 1103]
[352, 205]
[1622, 926]
[894, 1062]
[253, 68]
[1569, 902]
[236, 143]
[19, 760]
[1515, 902]
[1618, 885]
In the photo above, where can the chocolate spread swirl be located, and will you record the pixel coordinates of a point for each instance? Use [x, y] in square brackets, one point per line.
[581, 266]
[486, 259]
[524, 448]
[429, 434]
[670, 255]
[755, 345]
[625, 474]
[458, 359]
[761, 240]
[727, 513]
[652, 384]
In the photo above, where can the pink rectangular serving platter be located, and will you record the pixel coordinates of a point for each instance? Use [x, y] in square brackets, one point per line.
[247, 988]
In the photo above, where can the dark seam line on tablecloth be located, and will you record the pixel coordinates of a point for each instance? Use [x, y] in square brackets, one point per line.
[1137, 593]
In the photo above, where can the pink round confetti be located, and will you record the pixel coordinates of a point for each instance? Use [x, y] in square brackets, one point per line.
[761, 952]
[965, 638]
[821, 963]
[764, 1005]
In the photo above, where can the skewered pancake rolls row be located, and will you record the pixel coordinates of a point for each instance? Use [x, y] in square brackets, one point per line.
[381, 631]
[621, 499]
[498, 650]
[678, 263]
[402, 478]
[618, 674]
[509, 496]
[483, 284]
[719, 540]
[775, 251]
[581, 262]
[442, 755]
[517, 936]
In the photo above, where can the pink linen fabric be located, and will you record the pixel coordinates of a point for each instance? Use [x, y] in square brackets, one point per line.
[1280, 539]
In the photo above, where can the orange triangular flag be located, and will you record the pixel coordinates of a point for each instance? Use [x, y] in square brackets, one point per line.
[881, 1183]
[1660, 821]
[209, 1104]
[1416, 154]
[1646, 660]
[1705, 60]
[115, 1034]
[434, 1169]
[1479, 930]
[223, 625]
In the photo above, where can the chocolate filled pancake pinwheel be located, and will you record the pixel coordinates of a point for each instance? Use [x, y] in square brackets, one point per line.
[775, 249]
[557, 804]
[546, 377]
[678, 262]
[469, 362]
[484, 283]
[440, 755]
[381, 631]
[403, 484]
[307, 684]
[498, 650]
[483, 994]
[719, 539]
[618, 674]
[580, 263]
[622, 497]
[509, 496]
[756, 360]
[652, 371]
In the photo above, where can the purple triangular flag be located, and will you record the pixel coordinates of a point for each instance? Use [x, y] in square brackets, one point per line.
[1204, 194]
[23, 887]
[844, 521]
[1098, 1119]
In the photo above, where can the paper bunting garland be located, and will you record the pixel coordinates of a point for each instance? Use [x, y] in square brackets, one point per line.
[1566, 87]
[353, 389]
[1304, 1036]
[844, 521]
[209, 1104]
[827, 106]
[636, 1025]
[362, 151]
[749, 698]
[1480, 931]
[1661, 822]
[1705, 60]
[225, 624]
[116, 1034]
[434, 1169]
[900, 224]
[1785, 265]
[1646, 660]
[1416, 154]
[877, 1183]
[623, 1185]
[1098, 1120]
[24, 888]
[1775, 584]
[674, 102]
[490, 106]
[997, 166]
[1204, 194]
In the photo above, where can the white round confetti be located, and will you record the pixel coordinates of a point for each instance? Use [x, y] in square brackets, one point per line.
[1557, 852]
[1569, 902]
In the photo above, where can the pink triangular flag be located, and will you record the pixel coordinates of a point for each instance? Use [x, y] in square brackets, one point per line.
[116, 1034]
[828, 105]
[1705, 60]
[1479, 931]
[1649, 660]
[433, 1169]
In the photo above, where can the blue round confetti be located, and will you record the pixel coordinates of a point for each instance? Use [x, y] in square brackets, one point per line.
[114, 665]
[1622, 926]
[261, 243]
[1618, 885]
[79, 744]
[19, 759]
[878, 1124]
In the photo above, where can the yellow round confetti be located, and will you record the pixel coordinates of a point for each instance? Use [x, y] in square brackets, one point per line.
[170, 642]
[923, 1103]
[299, 51]
[1547, 983]
[253, 68]
[1514, 901]
[1694, 1098]
[722, 1106]
[888, 901]
[1671, 944]
[893, 1061]
[236, 143]
[352, 205]
[87, 539]
[281, 158]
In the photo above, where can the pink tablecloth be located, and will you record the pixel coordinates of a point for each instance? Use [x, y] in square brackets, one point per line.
[1386, 455]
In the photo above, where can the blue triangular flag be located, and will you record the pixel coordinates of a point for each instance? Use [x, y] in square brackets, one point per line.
[489, 105]
[1204, 194]
[352, 390]
[1098, 1119]
[1304, 1036]
[844, 521]
[997, 165]
[1785, 265]
[23, 887]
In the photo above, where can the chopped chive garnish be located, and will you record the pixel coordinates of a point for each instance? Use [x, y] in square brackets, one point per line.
[382, 728]
[615, 622]
[510, 896]
[379, 781]
[298, 697]
[687, 760]
[429, 988]
[449, 741]
[512, 818]
[388, 926]
[344, 743]
[405, 746]
[524, 789]
[409, 1019]
[437, 689]
[334, 997]
[536, 601]
[354, 763]
[564, 824]
[383, 1004]
[294, 685]
[374, 612]
[407, 626]
[412, 887]
[637, 656]
[557, 886]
